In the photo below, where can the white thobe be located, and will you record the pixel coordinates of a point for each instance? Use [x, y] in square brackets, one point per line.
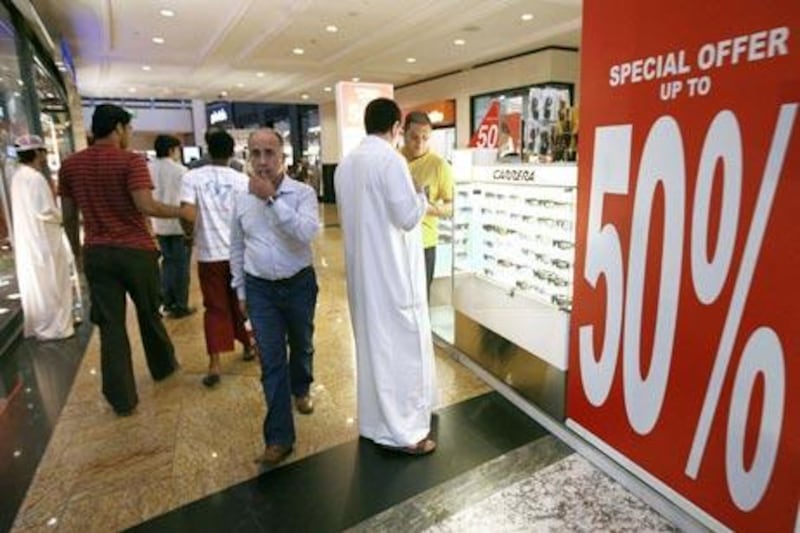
[42, 257]
[380, 214]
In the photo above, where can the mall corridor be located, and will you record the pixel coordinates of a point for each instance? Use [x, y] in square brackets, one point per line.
[186, 460]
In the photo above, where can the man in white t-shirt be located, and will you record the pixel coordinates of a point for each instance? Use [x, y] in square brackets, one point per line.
[175, 246]
[210, 191]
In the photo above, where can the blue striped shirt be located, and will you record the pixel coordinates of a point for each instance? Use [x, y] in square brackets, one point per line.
[273, 241]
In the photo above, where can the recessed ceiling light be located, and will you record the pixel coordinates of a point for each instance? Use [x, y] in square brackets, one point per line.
[147, 67]
[356, 79]
[167, 13]
[132, 90]
[411, 60]
[240, 85]
[260, 74]
[158, 40]
[527, 16]
[327, 89]
[459, 42]
[304, 96]
[223, 93]
[330, 28]
[298, 51]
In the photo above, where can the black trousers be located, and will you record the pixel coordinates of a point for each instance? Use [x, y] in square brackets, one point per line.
[112, 274]
[430, 265]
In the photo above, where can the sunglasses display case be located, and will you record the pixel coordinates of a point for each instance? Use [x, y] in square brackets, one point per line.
[513, 256]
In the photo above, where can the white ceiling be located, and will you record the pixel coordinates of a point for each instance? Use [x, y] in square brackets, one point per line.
[245, 47]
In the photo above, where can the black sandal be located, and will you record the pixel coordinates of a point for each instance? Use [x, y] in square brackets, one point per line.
[211, 380]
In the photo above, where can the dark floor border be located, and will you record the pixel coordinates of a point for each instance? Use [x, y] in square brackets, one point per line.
[347, 484]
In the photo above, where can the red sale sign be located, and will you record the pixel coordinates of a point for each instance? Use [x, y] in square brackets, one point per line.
[685, 357]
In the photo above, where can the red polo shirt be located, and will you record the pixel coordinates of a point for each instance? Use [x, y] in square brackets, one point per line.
[100, 180]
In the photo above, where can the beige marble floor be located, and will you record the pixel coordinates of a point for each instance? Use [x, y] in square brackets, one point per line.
[104, 473]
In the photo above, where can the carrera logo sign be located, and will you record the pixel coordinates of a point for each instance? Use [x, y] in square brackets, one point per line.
[508, 174]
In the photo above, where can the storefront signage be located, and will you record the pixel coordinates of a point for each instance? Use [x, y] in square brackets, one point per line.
[513, 175]
[684, 352]
[217, 116]
[219, 113]
[556, 175]
[351, 101]
[442, 113]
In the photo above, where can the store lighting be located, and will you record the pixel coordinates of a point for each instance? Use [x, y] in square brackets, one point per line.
[298, 51]
[327, 89]
[240, 85]
[459, 42]
[260, 74]
[527, 16]
[330, 28]
[356, 79]
[167, 13]
[411, 60]
[304, 96]
[223, 94]
[147, 68]
[132, 90]
[158, 40]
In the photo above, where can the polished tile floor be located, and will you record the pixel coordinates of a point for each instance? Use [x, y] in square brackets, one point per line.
[188, 454]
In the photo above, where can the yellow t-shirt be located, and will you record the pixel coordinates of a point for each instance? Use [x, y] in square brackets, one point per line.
[436, 175]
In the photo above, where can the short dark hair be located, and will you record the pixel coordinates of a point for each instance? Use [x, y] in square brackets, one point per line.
[212, 129]
[220, 145]
[417, 117]
[28, 155]
[380, 115]
[164, 145]
[105, 119]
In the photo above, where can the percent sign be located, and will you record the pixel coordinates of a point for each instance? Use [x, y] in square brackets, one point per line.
[662, 163]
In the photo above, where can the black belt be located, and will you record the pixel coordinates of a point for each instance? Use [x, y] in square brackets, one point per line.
[298, 274]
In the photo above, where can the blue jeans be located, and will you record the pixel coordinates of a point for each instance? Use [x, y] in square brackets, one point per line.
[281, 310]
[174, 271]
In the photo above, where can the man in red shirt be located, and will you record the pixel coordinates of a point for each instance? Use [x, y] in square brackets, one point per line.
[112, 188]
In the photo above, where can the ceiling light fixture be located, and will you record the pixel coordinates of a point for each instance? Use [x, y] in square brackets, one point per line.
[527, 16]
[223, 94]
[330, 28]
[459, 42]
[411, 60]
[132, 90]
[304, 96]
[158, 40]
[298, 51]
[356, 79]
[147, 67]
[327, 89]
[167, 13]
[240, 85]
[260, 74]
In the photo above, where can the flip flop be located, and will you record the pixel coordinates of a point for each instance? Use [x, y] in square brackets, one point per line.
[423, 447]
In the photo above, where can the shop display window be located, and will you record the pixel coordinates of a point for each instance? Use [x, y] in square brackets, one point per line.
[537, 123]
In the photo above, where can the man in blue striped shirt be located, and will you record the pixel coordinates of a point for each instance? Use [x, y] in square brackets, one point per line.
[273, 226]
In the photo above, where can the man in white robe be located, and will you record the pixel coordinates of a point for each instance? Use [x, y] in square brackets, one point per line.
[380, 210]
[41, 253]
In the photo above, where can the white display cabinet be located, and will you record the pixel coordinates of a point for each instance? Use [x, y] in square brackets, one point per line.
[513, 253]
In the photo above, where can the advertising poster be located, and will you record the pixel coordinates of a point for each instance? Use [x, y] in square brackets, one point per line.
[351, 101]
[684, 351]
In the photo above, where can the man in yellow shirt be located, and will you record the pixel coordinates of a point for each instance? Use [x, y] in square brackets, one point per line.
[435, 175]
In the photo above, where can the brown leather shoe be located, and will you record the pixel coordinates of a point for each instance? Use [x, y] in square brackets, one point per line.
[304, 404]
[274, 454]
